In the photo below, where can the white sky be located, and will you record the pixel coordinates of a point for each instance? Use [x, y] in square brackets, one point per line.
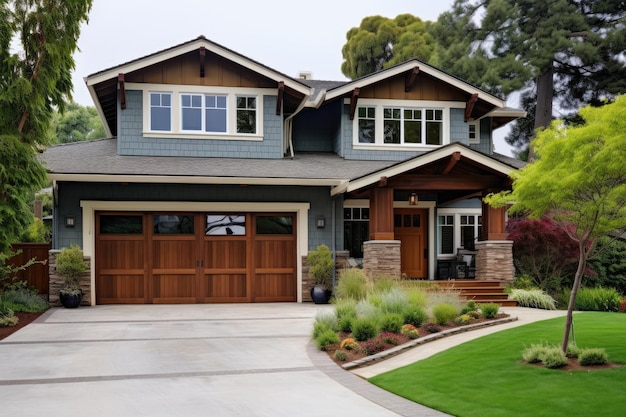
[287, 36]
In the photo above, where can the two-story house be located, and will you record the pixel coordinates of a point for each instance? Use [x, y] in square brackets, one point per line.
[220, 174]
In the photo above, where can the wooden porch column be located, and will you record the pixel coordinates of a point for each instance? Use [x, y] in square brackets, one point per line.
[381, 214]
[494, 258]
[494, 223]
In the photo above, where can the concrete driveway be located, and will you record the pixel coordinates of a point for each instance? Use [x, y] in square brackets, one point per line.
[182, 360]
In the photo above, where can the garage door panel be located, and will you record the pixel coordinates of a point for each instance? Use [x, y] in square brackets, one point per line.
[172, 254]
[225, 253]
[275, 287]
[275, 253]
[174, 288]
[225, 288]
[116, 289]
[121, 254]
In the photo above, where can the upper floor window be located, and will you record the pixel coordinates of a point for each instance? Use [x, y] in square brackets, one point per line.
[246, 114]
[161, 111]
[203, 113]
[403, 124]
[473, 133]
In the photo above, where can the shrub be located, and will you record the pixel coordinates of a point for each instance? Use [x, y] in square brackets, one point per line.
[432, 328]
[572, 351]
[345, 324]
[609, 265]
[592, 356]
[389, 338]
[322, 266]
[24, 299]
[417, 297]
[414, 315]
[443, 313]
[372, 346]
[349, 344]
[410, 330]
[71, 265]
[7, 317]
[462, 320]
[490, 310]
[535, 353]
[364, 328]
[622, 306]
[345, 311]
[533, 298]
[340, 355]
[597, 299]
[384, 284]
[554, 358]
[391, 322]
[352, 284]
[365, 308]
[325, 338]
[328, 318]
[470, 306]
[445, 296]
[393, 301]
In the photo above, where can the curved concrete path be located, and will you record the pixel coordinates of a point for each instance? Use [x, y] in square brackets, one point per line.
[186, 360]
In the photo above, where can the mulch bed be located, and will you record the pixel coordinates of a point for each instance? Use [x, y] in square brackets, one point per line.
[25, 319]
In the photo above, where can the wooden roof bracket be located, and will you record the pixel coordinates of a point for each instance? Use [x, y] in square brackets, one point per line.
[202, 52]
[410, 79]
[120, 80]
[382, 182]
[454, 158]
[279, 98]
[469, 106]
[353, 101]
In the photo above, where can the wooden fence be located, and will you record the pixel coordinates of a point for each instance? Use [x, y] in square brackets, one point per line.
[36, 275]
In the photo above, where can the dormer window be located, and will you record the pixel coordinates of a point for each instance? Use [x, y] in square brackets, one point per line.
[161, 111]
[203, 113]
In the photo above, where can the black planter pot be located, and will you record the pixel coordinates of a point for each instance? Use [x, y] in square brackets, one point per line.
[70, 300]
[320, 295]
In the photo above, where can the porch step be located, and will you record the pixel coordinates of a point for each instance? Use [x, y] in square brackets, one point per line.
[480, 291]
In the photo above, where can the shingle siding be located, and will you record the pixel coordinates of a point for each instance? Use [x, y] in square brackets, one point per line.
[132, 142]
[486, 139]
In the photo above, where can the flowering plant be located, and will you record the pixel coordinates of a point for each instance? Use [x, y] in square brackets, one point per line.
[410, 331]
[348, 344]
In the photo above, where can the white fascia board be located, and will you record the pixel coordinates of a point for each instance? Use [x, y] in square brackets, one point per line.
[166, 179]
[426, 159]
[192, 46]
[391, 72]
[506, 112]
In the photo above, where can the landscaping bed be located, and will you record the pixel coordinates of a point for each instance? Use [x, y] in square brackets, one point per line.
[24, 320]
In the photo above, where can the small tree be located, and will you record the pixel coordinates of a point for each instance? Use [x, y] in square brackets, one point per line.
[70, 265]
[322, 266]
[579, 181]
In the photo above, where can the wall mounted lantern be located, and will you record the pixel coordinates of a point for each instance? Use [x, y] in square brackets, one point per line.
[413, 199]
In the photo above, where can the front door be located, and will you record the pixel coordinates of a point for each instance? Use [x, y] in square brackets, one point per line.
[410, 230]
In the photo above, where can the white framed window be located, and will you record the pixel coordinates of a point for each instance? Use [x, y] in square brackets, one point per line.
[401, 124]
[161, 111]
[198, 112]
[473, 133]
[457, 229]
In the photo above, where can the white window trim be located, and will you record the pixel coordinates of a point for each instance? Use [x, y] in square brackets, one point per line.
[176, 92]
[457, 213]
[476, 140]
[413, 104]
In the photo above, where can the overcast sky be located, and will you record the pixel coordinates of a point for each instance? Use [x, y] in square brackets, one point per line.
[287, 36]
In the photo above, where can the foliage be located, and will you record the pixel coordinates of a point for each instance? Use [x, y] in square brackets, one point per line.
[443, 313]
[543, 251]
[535, 353]
[77, 123]
[322, 266]
[364, 328]
[23, 299]
[36, 232]
[393, 301]
[340, 355]
[372, 346]
[417, 297]
[410, 330]
[554, 358]
[325, 338]
[352, 284]
[597, 299]
[463, 320]
[349, 344]
[324, 320]
[578, 180]
[414, 315]
[524, 282]
[469, 306]
[432, 327]
[390, 338]
[36, 50]
[592, 356]
[533, 298]
[622, 306]
[7, 317]
[380, 42]
[609, 266]
[384, 284]
[391, 322]
[70, 265]
[489, 310]
[572, 350]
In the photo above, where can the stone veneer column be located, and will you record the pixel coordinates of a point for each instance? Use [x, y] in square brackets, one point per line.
[382, 258]
[494, 260]
[308, 282]
[56, 281]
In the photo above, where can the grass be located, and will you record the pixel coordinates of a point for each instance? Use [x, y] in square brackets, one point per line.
[486, 377]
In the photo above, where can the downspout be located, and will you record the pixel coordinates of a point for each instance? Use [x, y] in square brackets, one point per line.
[333, 209]
[306, 102]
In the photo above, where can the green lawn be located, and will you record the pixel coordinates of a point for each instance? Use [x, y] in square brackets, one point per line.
[485, 377]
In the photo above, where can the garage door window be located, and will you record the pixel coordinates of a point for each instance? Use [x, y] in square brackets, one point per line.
[121, 225]
[274, 225]
[165, 224]
[225, 225]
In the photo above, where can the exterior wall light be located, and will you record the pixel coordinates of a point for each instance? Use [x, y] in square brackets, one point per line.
[70, 221]
[413, 199]
[320, 222]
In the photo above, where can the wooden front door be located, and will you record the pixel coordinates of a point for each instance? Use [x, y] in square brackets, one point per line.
[410, 229]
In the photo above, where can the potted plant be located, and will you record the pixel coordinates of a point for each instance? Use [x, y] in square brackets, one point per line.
[321, 269]
[71, 266]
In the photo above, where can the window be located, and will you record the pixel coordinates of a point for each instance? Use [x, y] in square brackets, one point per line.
[274, 225]
[191, 107]
[400, 125]
[246, 114]
[473, 133]
[471, 228]
[203, 113]
[445, 234]
[367, 124]
[161, 111]
[165, 224]
[356, 229]
[216, 115]
[121, 224]
[225, 225]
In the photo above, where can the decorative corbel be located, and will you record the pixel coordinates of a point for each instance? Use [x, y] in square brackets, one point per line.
[410, 79]
[202, 52]
[469, 106]
[279, 98]
[454, 158]
[120, 80]
[353, 101]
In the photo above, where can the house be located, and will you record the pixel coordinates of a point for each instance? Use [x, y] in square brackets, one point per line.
[220, 174]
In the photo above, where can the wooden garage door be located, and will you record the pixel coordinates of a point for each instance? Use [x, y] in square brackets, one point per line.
[195, 258]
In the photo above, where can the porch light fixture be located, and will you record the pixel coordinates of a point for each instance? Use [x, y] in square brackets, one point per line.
[413, 199]
[320, 222]
[70, 221]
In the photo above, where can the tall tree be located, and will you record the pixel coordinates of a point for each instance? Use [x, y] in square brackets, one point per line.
[579, 181]
[572, 50]
[37, 41]
[77, 123]
[380, 42]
